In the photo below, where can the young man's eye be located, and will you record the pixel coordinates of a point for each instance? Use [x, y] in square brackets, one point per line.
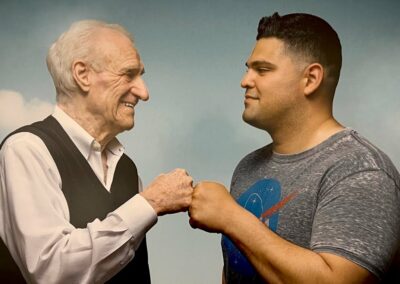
[262, 70]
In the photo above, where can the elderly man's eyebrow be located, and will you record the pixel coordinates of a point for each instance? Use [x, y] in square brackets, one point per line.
[133, 70]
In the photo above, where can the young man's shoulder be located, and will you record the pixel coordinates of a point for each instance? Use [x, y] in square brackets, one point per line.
[359, 154]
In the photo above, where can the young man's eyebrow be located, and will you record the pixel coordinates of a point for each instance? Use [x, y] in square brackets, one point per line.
[259, 63]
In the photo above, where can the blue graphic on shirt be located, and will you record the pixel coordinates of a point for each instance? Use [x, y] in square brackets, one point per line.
[261, 196]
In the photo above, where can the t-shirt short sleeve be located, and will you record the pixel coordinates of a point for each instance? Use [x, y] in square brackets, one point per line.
[355, 219]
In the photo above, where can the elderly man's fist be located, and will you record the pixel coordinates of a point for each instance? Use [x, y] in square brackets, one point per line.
[170, 193]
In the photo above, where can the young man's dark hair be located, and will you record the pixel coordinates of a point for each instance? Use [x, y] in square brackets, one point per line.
[307, 35]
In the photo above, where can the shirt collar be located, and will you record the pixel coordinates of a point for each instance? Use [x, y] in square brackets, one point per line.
[85, 143]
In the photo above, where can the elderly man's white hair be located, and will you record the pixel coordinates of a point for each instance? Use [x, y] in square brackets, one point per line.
[72, 45]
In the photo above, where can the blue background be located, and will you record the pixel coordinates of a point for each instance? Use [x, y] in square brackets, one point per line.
[194, 54]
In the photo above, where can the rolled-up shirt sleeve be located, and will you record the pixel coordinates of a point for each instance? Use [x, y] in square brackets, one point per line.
[35, 223]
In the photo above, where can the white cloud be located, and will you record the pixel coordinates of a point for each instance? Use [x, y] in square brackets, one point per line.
[15, 111]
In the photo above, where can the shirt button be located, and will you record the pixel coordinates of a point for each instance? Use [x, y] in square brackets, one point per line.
[131, 254]
[96, 146]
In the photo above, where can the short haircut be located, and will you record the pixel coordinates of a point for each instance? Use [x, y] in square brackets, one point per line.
[76, 43]
[308, 36]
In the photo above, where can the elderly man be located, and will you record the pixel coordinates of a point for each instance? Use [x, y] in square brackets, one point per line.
[72, 207]
[320, 204]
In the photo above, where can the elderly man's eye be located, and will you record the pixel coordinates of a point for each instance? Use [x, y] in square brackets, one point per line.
[131, 74]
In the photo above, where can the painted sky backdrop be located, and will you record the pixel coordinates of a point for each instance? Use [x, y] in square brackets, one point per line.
[194, 54]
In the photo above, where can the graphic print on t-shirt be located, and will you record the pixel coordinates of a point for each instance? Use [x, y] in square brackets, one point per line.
[264, 200]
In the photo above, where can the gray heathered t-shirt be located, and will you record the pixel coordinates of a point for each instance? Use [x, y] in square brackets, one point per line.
[341, 197]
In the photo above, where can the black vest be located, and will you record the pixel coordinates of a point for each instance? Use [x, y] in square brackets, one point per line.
[86, 196]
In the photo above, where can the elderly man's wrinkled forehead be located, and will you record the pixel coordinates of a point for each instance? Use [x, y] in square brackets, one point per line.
[113, 46]
[109, 34]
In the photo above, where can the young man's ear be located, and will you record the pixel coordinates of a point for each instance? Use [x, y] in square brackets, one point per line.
[80, 72]
[313, 75]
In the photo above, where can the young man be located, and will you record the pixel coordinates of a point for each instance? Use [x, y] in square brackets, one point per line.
[320, 204]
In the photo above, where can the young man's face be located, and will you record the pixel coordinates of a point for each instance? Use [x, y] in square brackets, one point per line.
[273, 85]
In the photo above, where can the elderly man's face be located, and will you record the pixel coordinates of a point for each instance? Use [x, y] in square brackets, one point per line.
[118, 86]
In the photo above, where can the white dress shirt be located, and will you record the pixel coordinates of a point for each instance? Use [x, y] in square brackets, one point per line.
[34, 215]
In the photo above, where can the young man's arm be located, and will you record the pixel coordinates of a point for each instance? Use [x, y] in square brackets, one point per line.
[275, 259]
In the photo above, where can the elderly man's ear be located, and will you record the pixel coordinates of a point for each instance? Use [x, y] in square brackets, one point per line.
[80, 72]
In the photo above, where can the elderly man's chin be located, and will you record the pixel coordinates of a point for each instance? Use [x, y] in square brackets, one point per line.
[129, 123]
[124, 126]
[125, 122]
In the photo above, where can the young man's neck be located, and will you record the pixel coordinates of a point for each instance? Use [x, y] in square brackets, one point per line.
[299, 138]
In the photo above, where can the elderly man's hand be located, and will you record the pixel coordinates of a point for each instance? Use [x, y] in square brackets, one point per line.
[170, 193]
[212, 207]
